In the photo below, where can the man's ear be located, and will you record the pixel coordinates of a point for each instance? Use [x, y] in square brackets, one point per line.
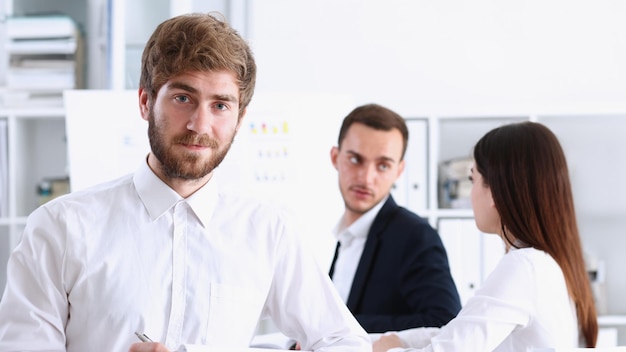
[334, 152]
[144, 104]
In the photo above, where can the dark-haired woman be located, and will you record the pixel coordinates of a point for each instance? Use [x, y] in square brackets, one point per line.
[538, 296]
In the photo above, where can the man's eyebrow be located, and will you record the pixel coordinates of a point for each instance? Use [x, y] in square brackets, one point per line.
[191, 89]
[183, 86]
[225, 97]
[382, 158]
[352, 152]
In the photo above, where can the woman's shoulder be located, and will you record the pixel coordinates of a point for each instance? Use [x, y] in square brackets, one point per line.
[519, 269]
[529, 257]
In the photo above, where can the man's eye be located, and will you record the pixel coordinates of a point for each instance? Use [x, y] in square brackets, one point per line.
[383, 167]
[182, 98]
[353, 160]
[221, 106]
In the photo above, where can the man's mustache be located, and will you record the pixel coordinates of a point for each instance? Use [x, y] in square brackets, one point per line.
[197, 139]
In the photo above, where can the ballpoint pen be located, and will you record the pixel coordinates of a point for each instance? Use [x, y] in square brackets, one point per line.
[143, 337]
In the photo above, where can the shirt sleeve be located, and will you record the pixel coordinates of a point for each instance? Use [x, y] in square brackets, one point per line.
[304, 304]
[503, 303]
[34, 285]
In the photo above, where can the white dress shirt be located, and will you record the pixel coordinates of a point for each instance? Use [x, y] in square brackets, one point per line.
[524, 304]
[352, 241]
[131, 255]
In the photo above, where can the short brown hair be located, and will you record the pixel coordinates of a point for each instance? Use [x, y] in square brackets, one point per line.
[197, 42]
[377, 117]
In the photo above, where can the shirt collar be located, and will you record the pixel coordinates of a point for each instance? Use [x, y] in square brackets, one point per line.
[361, 227]
[158, 197]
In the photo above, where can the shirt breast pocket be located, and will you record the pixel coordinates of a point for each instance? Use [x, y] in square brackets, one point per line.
[234, 312]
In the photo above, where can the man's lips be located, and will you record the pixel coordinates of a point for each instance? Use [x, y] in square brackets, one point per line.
[194, 146]
[360, 192]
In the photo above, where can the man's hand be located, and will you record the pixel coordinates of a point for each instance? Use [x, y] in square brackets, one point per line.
[386, 342]
[295, 347]
[148, 347]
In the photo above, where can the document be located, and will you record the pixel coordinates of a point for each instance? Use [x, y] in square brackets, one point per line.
[275, 340]
[199, 348]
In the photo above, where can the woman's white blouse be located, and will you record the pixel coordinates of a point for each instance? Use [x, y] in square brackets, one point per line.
[523, 304]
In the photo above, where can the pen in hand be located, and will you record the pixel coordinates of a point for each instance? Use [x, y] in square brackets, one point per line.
[143, 337]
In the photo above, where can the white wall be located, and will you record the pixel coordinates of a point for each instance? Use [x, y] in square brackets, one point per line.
[417, 55]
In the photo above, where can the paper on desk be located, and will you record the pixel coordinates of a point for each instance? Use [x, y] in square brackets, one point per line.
[200, 348]
[276, 341]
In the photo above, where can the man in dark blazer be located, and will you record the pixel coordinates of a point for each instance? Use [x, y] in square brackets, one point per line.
[390, 266]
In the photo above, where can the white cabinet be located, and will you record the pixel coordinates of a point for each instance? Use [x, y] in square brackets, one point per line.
[471, 253]
[594, 144]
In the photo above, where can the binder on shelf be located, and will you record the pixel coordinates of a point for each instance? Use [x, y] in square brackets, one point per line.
[416, 168]
[410, 189]
[4, 170]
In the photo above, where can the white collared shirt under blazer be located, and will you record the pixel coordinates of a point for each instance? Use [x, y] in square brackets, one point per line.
[523, 305]
[131, 255]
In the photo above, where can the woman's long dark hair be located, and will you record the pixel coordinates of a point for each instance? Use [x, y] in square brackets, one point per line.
[525, 168]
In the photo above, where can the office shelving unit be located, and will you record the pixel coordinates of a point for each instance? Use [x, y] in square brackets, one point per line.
[41, 56]
[36, 150]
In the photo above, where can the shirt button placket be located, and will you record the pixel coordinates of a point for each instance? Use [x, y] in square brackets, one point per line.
[175, 327]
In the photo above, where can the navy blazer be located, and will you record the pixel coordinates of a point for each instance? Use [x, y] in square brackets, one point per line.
[403, 278]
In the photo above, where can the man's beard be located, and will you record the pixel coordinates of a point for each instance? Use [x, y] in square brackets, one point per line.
[188, 166]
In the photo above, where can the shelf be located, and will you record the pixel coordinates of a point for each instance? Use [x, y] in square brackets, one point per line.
[41, 27]
[610, 320]
[453, 213]
[36, 112]
[42, 47]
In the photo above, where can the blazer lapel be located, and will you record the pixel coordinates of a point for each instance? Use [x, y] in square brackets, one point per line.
[374, 237]
[332, 265]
